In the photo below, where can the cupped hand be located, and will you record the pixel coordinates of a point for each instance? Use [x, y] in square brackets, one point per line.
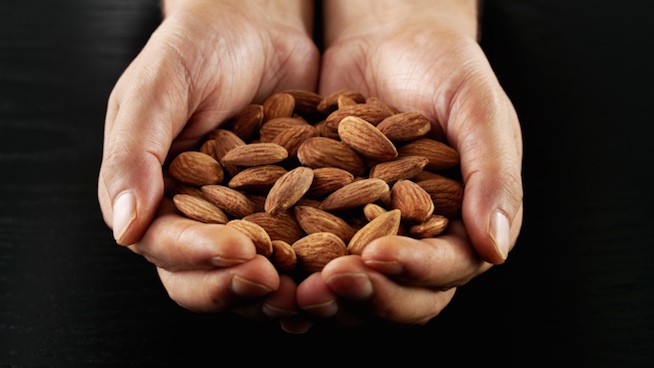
[424, 59]
[205, 62]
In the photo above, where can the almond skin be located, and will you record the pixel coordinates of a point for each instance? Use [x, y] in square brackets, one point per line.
[247, 122]
[414, 203]
[315, 250]
[319, 152]
[405, 126]
[272, 128]
[329, 103]
[400, 168]
[283, 256]
[256, 233]
[257, 179]
[288, 189]
[229, 200]
[370, 113]
[282, 226]
[305, 101]
[199, 209]
[366, 139]
[440, 155]
[196, 168]
[355, 194]
[278, 105]
[327, 180]
[224, 141]
[314, 220]
[387, 223]
[446, 193]
[433, 226]
[293, 137]
[255, 154]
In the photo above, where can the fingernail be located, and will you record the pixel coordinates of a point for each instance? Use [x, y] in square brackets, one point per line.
[389, 268]
[247, 288]
[226, 262]
[351, 285]
[499, 232]
[296, 325]
[124, 214]
[326, 309]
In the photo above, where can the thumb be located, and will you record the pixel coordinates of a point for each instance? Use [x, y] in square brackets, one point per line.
[489, 141]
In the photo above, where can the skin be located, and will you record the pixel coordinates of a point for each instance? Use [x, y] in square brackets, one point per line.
[209, 59]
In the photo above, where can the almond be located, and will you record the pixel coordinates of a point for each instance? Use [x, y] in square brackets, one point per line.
[278, 105]
[328, 179]
[387, 108]
[370, 113]
[199, 209]
[196, 168]
[405, 126]
[446, 193]
[355, 194]
[414, 203]
[329, 103]
[283, 256]
[366, 139]
[314, 220]
[325, 131]
[247, 122]
[257, 179]
[344, 100]
[256, 233]
[288, 189]
[372, 210]
[272, 128]
[229, 200]
[293, 137]
[385, 224]
[255, 154]
[400, 168]
[440, 155]
[434, 225]
[305, 101]
[320, 152]
[315, 250]
[225, 140]
[282, 226]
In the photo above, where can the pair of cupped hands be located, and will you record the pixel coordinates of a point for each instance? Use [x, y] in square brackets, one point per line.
[207, 60]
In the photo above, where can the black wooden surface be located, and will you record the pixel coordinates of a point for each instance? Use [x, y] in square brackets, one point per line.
[577, 290]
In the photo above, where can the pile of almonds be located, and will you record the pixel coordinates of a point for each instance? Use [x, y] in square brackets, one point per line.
[311, 178]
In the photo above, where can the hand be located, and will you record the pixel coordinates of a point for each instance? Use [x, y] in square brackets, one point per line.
[205, 62]
[423, 56]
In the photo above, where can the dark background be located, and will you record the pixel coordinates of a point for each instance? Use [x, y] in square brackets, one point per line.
[577, 290]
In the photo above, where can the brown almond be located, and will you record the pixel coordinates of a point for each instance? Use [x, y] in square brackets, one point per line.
[257, 179]
[400, 168]
[278, 105]
[229, 200]
[433, 226]
[370, 113]
[405, 126]
[272, 128]
[355, 194]
[315, 250]
[305, 101]
[440, 155]
[372, 210]
[344, 100]
[414, 203]
[255, 154]
[283, 256]
[196, 168]
[320, 152]
[293, 137]
[446, 193]
[385, 224]
[385, 106]
[288, 189]
[314, 220]
[225, 140]
[329, 103]
[366, 139]
[282, 226]
[247, 122]
[256, 233]
[199, 209]
[328, 179]
[325, 131]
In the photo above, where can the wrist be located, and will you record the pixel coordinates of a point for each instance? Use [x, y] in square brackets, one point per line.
[345, 18]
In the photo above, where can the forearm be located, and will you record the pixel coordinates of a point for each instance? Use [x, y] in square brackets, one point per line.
[294, 13]
[345, 18]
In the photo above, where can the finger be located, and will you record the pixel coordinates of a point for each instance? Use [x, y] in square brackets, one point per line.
[316, 299]
[372, 293]
[221, 289]
[444, 262]
[174, 243]
[281, 304]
